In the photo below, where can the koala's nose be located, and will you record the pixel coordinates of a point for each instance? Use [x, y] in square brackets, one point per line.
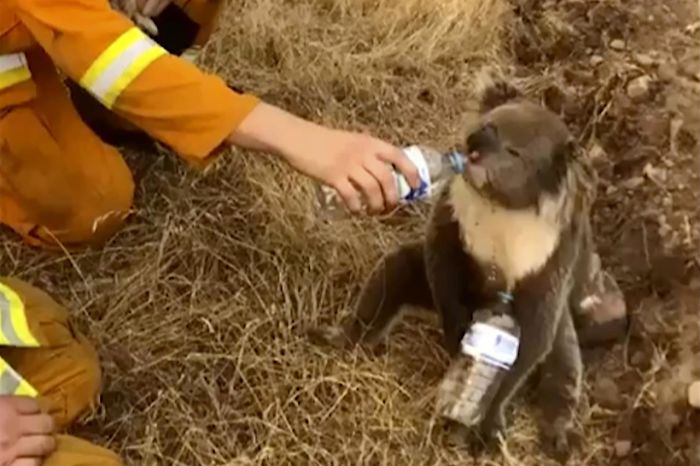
[483, 139]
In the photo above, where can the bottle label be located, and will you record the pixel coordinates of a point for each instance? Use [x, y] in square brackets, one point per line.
[407, 193]
[489, 343]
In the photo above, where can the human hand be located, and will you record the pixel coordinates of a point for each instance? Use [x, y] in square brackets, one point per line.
[356, 165]
[151, 8]
[25, 432]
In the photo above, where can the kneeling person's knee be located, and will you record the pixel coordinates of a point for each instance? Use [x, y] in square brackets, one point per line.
[97, 206]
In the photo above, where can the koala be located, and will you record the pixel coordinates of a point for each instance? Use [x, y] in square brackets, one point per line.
[516, 221]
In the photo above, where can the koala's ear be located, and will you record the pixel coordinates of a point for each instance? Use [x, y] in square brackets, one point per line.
[493, 90]
[563, 154]
[496, 94]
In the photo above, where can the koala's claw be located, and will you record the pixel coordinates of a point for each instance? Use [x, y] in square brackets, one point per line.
[559, 444]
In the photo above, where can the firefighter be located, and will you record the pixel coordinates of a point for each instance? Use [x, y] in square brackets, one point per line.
[60, 184]
[49, 377]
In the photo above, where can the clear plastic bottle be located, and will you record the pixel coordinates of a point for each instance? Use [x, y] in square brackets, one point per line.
[434, 168]
[489, 349]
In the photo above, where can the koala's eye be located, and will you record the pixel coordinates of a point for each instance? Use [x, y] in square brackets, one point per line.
[513, 152]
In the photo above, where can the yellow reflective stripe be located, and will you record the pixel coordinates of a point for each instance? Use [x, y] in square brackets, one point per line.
[13, 69]
[14, 328]
[11, 383]
[119, 64]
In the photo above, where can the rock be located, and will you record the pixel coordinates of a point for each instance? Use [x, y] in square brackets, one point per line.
[638, 358]
[691, 69]
[617, 44]
[694, 394]
[597, 153]
[643, 59]
[638, 88]
[657, 175]
[666, 71]
[632, 183]
[606, 394]
[610, 190]
[622, 448]
[596, 60]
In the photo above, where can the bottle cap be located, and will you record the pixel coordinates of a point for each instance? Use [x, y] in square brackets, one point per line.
[457, 160]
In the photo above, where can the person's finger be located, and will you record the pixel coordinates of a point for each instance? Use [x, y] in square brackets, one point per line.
[27, 462]
[33, 446]
[153, 7]
[383, 173]
[163, 4]
[36, 424]
[396, 157]
[370, 188]
[349, 195]
[26, 405]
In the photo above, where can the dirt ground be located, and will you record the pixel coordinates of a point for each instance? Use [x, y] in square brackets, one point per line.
[199, 306]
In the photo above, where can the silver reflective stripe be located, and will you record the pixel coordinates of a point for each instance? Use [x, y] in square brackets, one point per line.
[8, 382]
[6, 323]
[12, 61]
[116, 69]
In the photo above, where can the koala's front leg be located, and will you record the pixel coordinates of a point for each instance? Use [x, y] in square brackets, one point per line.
[398, 279]
[449, 277]
[538, 319]
[560, 389]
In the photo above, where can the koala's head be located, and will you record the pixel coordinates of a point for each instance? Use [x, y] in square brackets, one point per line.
[517, 153]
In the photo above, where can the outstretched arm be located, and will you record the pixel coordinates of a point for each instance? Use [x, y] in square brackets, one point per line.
[195, 113]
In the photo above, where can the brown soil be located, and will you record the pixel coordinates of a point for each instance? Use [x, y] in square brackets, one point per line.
[198, 307]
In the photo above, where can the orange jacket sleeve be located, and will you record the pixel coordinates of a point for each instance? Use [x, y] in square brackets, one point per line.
[169, 98]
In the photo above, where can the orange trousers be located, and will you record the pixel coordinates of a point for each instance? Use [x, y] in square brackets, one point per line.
[65, 372]
[60, 184]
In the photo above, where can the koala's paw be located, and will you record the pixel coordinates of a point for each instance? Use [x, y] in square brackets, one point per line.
[560, 442]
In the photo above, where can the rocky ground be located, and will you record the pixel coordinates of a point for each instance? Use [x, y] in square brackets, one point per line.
[628, 78]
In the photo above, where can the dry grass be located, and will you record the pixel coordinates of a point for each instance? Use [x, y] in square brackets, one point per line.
[198, 307]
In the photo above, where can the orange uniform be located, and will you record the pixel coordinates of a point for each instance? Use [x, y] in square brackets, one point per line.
[43, 356]
[58, 180]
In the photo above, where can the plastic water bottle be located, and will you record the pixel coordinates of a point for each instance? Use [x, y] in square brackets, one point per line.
[488, 350]
[434, 168]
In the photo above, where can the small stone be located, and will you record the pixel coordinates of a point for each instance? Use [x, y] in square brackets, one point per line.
[622, 448]
[632, 183]
[658, 175]
[596, 60]
[694, 394]
[638, 88]
[666, 71]
[638, 358]
[617, 44]
[691, 69]
[643, 59]
[597, 153]
[610, 190]
[606, 394]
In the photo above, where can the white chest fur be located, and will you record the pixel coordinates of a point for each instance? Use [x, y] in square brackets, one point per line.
[517, 241]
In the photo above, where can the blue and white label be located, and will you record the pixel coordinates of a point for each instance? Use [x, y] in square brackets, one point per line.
[491, 344]
[407, 193]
